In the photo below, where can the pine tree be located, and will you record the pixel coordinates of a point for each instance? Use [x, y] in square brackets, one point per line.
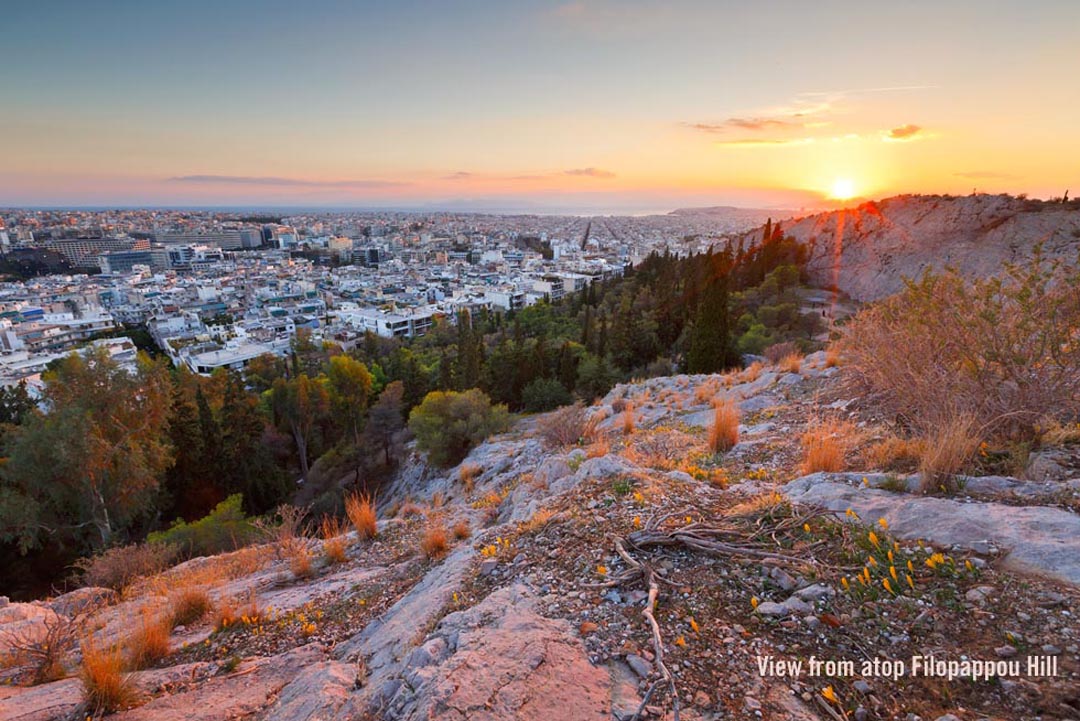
[711, 346]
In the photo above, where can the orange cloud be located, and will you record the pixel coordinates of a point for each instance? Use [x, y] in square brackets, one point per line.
[904, 132]
[590, 172]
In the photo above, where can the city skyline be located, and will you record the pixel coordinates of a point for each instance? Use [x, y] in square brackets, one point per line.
[533, 106]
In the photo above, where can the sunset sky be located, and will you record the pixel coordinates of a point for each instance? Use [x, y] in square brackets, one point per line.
[616, 104]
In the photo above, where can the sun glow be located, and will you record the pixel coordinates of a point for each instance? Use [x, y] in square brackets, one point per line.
[843, 189]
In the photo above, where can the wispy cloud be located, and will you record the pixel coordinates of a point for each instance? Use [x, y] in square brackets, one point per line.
[764, 142]
[590, 172]
[746, 124]
[459, 175]
[270, 180]
[984, 175]
[903, 133]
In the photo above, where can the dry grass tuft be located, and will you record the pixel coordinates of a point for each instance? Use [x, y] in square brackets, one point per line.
[300, 564]
[106, 688]
[705, 392]
[945, 455]
[121, 566]
[150, 643]
[825, 444]
[538, 521]
[189, 605]
[628, 419]
[832, 357]
[752, 372]
[462, 530]
[231, 610]
[360, 509]
[894, 454]
[600, 447]
[435, 542]
[332, 531]
[724, 432]
[791, 363]
[410, 509]
[467, 475]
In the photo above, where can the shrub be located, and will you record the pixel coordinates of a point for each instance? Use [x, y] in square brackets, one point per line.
[1002, 350]
[105, 685]
[225, 528]
[120, 566]
[189, 605]
[361, 512]
[724, 432]
[628, 419]
[285, 530]
[825, 444]
[567, 426]
[462, 530]
[945, 455]
[435, 542]
[150, 643]
[448, 424]
[544, 394]
[44, 653]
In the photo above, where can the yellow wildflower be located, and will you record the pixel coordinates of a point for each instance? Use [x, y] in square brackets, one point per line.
[887, 585]
[829, 695]
[694, 625]
[873, 539]
[892, 572]
[883, 523]
[754, 601]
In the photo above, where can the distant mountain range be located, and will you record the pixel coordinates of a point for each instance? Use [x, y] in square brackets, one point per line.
[867, 250]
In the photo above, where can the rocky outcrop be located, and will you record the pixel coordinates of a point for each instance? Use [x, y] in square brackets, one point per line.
[498, 661]
[867, 251]
[1039, 540]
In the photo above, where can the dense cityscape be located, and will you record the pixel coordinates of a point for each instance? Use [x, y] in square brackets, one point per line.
[217, 289]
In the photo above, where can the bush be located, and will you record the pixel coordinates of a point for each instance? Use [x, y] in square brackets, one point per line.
[567, 426]
[448, 424]
[1002, 351]
[225, 528]
[120, 566]
[544, 394]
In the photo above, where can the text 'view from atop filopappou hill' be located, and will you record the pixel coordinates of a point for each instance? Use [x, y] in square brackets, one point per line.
[519, 361]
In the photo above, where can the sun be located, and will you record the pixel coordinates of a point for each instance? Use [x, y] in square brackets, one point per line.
[843, 189]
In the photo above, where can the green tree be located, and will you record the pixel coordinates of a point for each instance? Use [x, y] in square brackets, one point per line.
[90, 466]
[711, 346]
[447, 425]
[386, 420]
[350, 387]
[299, 406]
[544, 394]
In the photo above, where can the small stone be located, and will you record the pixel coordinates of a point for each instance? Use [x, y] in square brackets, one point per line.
[862, 686]
[798, 605]
[1051, 649]
[947, 717]
[613, 596]
[639, 665]
[751, 704]
[488, 566]
[812, 622]
[979, 594]
[702, 700]
[770, 608]
[1005, 651]
[816, 592]
[861, 714]
[520, 558]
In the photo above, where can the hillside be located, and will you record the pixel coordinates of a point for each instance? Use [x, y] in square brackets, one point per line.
[868, 250]
[541, 611]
